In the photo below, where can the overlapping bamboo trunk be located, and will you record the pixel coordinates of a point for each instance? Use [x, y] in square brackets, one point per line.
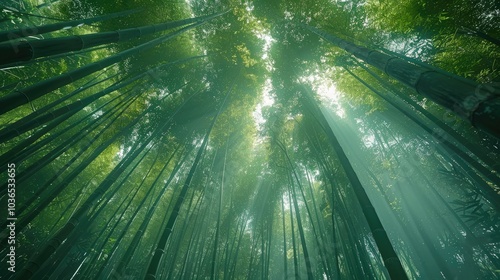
[477, 103]
[28, 94]
[23, 51]
[387, 252]
[33, 31]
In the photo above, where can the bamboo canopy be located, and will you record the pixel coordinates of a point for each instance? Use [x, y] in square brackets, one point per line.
[249, 148]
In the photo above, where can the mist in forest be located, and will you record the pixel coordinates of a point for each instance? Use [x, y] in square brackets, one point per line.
[250, 139]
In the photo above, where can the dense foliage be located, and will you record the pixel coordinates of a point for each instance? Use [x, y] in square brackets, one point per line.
[246, 143]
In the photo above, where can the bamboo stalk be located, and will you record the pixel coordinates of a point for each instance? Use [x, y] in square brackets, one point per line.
[25, 32]
[389, 256]
[24, 51]
[28, 94]
[477, 103]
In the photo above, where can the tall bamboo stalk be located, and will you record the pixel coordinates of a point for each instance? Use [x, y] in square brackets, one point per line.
[389, 256]
[28, 94]
[24, 51]
[475, 149]
[25, 32]
[165, 235]
[488, 191]
[479, 104]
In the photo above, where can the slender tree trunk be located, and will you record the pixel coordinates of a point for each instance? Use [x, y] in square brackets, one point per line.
[12, 154]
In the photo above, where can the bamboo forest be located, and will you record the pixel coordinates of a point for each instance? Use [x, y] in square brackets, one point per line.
[250, 139]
